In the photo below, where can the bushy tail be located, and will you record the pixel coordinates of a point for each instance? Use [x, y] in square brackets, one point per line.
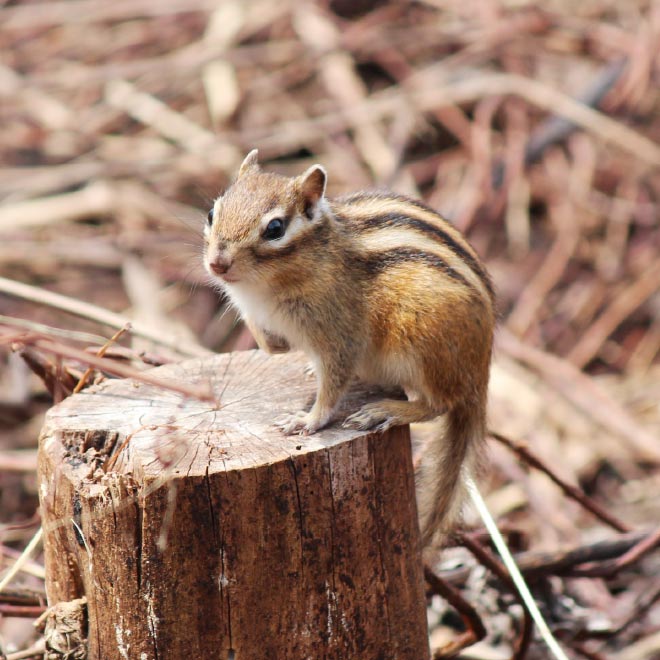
[440, 478]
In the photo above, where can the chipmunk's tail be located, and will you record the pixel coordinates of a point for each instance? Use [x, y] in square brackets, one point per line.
[441, 477]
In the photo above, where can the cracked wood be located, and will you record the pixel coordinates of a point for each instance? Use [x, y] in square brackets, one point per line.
[214, 536]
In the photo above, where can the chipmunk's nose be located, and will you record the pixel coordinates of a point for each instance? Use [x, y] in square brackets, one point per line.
[220, 264]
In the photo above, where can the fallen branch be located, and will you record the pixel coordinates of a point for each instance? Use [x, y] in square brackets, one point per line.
[475, 629]
[611, 568]
[497, 568]
[534, 565]
[203, 393]
[526, 454]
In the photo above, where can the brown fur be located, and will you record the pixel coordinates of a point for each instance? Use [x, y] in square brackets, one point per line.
[374, 285]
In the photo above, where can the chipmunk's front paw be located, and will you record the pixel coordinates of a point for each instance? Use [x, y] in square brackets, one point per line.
[302, 423]
[372, 417]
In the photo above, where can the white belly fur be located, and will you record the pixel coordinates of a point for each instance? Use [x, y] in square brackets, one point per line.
[261, 310]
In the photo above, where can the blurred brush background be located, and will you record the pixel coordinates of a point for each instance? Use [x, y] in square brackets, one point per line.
[534, 127]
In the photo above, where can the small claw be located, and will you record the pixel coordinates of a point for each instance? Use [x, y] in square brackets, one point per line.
[308, 369]
[290, 423]
[383, 426]
[353, 422]
[369, 417]
[300, 423]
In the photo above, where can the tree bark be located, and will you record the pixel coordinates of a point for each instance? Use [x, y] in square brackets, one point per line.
[215, 536]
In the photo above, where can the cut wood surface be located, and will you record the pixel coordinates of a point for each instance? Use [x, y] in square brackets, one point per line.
[212, 535]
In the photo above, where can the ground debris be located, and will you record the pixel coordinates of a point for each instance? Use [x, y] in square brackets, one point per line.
[535, 129]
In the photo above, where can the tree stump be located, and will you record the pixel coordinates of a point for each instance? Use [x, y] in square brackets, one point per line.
[214, 536]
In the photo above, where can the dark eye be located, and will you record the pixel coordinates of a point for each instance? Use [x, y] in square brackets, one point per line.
[209, 217]
[274, 229]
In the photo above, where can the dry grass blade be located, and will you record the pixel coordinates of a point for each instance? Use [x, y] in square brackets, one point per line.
[35, 652]
[94, 200]
[548, 99]
[626, 302]
[20, 562]
[97, 314]
[583, 392]
[100, 353]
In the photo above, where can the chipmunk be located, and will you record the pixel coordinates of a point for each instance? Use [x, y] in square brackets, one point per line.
[373, 285]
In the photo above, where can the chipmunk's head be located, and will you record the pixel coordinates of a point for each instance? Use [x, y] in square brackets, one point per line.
[262, 223]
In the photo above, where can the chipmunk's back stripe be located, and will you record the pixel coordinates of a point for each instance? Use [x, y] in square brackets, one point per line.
[398, 219]
[377, 262]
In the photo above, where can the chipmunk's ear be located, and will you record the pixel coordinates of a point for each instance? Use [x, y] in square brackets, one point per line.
[251, 162]
[312, 188]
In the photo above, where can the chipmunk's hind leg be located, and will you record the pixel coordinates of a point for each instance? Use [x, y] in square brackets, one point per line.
[381, 415]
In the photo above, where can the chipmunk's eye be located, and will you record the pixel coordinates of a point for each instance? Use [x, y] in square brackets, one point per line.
[274, 229]
[209, 217]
